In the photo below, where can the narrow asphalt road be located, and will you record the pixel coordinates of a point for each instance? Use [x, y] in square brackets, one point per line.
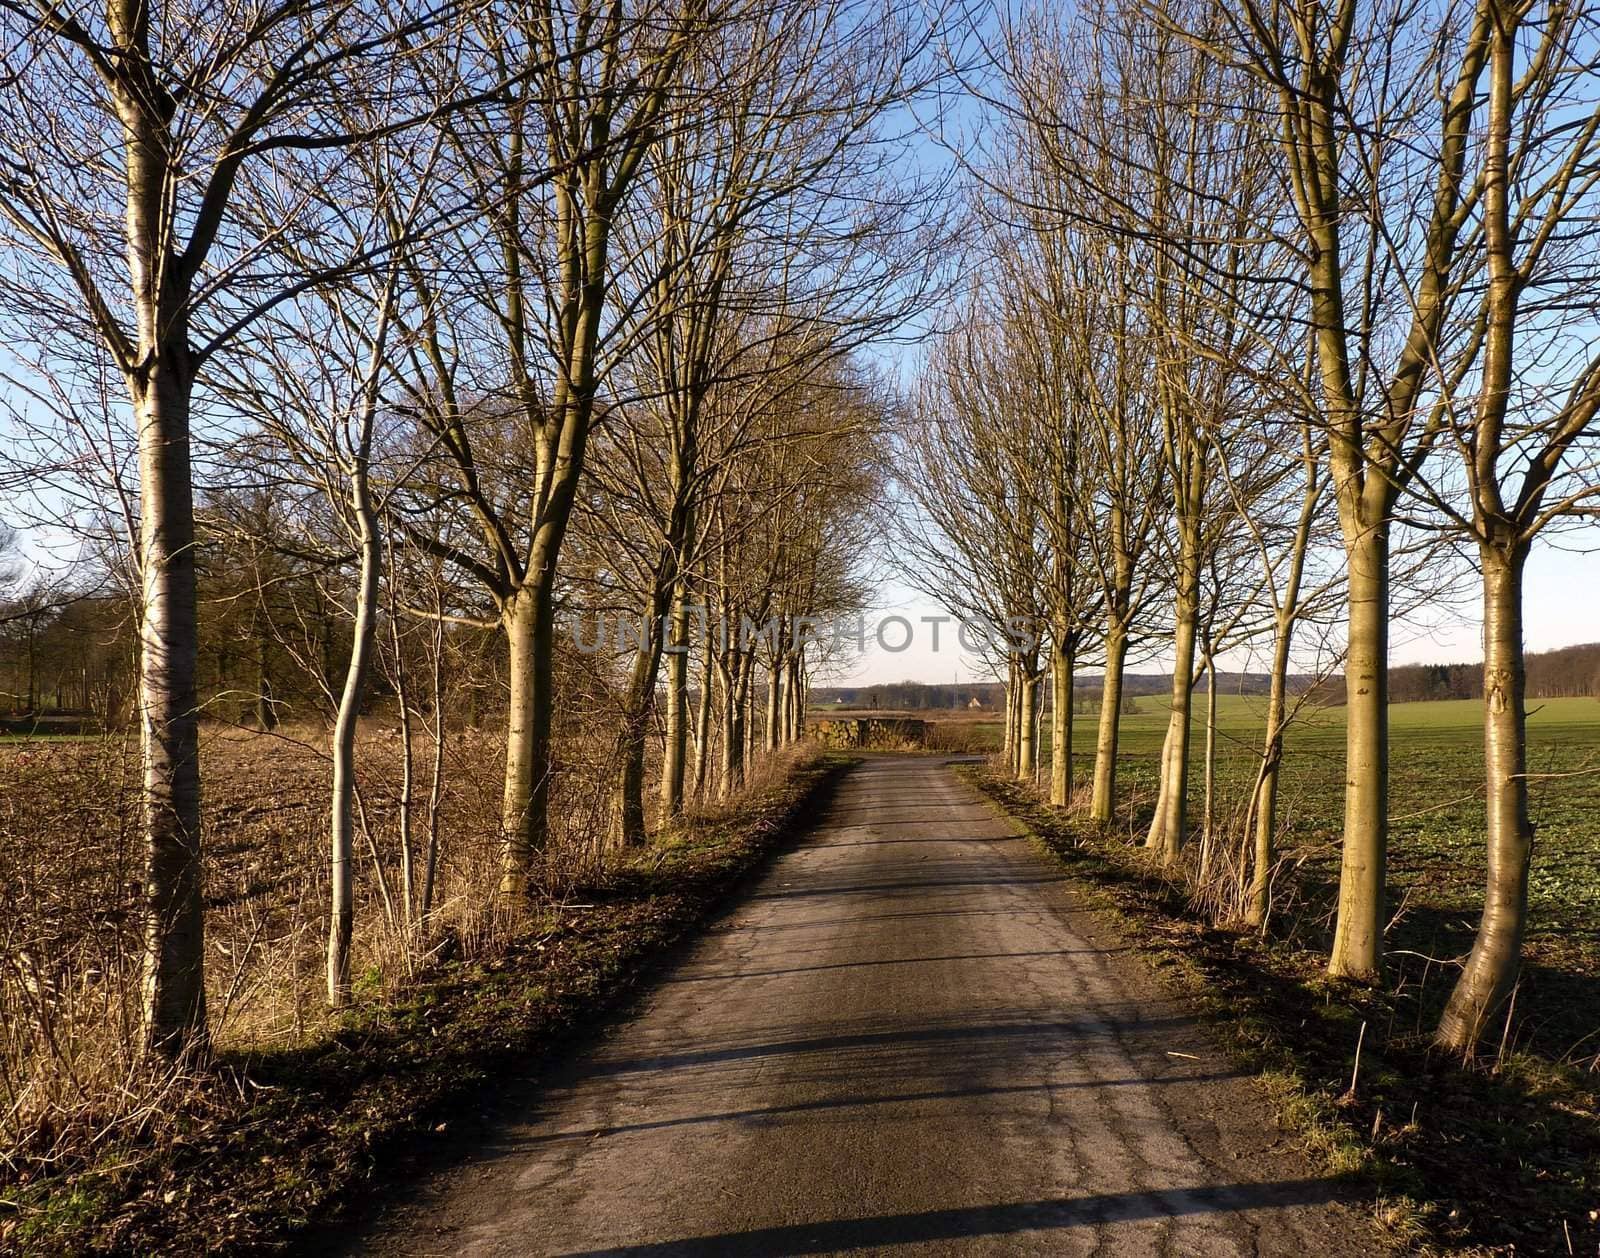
[909, 1039]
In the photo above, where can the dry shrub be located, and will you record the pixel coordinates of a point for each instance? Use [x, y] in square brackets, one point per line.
[958, 737]
[763, 772]
[1217, 869]
[1213, 871]
[69, 974]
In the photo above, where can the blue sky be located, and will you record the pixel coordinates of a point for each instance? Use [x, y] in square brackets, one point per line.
[1562, 592]
[1563, 582]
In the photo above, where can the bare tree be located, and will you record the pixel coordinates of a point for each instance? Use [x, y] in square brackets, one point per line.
[974, 532]
[1285, 545]
[787, 160]
[1380, 198]
[517, 325]
[315, 384]
[125, 139]
[1525, 435]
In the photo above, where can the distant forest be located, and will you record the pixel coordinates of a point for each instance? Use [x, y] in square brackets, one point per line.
[1567, 672]
[916, 696]
[1572, 671]
[77, 656]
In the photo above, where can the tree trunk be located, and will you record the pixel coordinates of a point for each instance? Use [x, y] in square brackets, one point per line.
[174, 963]
[1104, 802]
[627, 797]
[408, 775]
[802, 698]
[675, 753]
[794, 698]
[744, 711]
[1492, 967]
[564, 427]
[1008, 746]
[1038, 728]
[1061, 675]
[785, 701]
[770, 739]
[1358, 935]
[732, 733]
[341, 917]
[1165, 837]
[517, 829]
[1027, 698]
[266, 710]
[430, 869]
[1265, 806]
[402, 697]
[791, 697]
[702, 722]
[747, 716]
[1209, 810]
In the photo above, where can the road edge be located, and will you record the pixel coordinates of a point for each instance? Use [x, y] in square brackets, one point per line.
[306, 1146]
[1147, 913]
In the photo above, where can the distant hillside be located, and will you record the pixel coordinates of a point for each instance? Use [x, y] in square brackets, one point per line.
[909, 696]
[916, 696]
[1227, 683]
[1567, 672]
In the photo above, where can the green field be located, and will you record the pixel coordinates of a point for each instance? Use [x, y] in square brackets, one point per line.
[1436, 845]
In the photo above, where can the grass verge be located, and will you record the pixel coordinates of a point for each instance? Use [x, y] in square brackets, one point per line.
[270, 1143]
[1501, 1157]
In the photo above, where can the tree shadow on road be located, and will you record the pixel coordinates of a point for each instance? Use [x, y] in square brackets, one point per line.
[1011, 1218]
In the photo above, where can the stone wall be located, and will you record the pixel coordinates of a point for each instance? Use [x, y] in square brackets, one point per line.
[868, 733]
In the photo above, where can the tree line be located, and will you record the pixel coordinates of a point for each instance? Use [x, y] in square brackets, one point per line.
[1571, 672]
[366, 351]
[368, 348]
[1278, 309]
